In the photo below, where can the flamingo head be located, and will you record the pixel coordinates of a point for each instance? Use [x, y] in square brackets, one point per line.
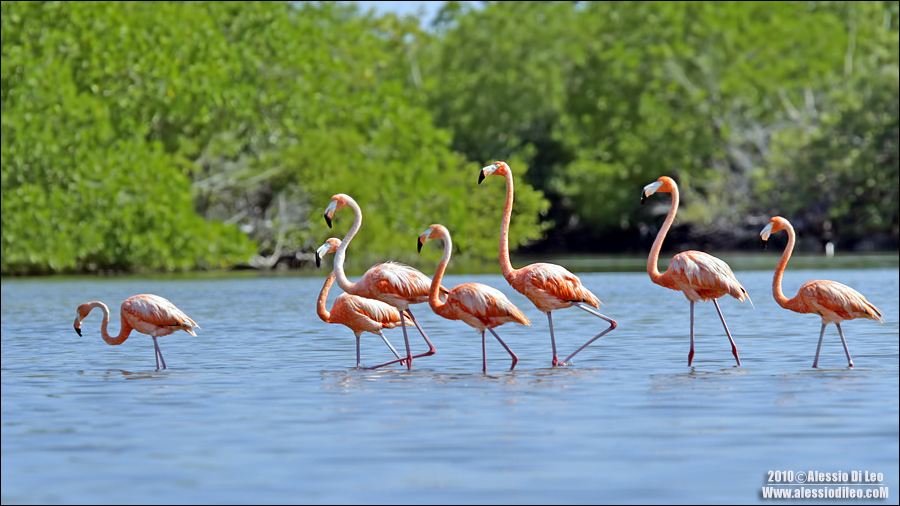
[434, 232]
[499, 168]
[330, 246]
[337, 201]
[663, 184]
[81, 313]
[776, 224]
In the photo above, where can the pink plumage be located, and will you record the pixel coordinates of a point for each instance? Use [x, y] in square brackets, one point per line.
[145, 313]
[547, 286]
[359, 314]
[833, 301]
[391, 282]
[699, 275]
[478, 305]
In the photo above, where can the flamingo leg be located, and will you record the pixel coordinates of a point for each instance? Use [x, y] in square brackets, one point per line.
[733, 347]
[388, 343]
[691, 353]
[844, 341]
[405, 340]
[384, 338]
[158, 354]
[819, 347]
[483, 354]
[511, 354]
[431, 349]
[552, 340]
[409, 355]
[612, 325]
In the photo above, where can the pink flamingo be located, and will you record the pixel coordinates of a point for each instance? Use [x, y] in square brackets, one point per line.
[832, 301]
[146, 313]
[476, 304]
[356, 313]
[699, 275]
[547, 286]
[391, 282]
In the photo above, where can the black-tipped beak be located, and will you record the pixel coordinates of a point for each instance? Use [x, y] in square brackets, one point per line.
[318, 260]
[418, 246]
[78, 330]
[480, 176]
[328, 220]
[764, 243]
[643, 198]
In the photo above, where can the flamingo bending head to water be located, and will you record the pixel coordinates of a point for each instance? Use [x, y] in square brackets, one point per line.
[547, 286]
[699, 275]
[145, 313]
[833, 301]
[478, 305]
[359, 314]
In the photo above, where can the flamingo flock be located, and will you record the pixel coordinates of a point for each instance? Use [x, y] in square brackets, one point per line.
[382, 297]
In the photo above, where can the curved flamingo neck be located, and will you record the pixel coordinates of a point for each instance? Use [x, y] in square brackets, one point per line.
[124, 332]
[777, 292]
[433, 294]
[505, 265]
[653, 259]
[341, 252]
[321, 310]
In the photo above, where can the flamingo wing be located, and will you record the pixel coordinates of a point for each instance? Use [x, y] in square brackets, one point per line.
[836, 302]
[396, 280]
[149, 313]
[553, 284]
[485, 303]
[377, 314]
[702, 276]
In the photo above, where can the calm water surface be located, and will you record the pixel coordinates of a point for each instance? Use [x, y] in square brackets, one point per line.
[266, 405]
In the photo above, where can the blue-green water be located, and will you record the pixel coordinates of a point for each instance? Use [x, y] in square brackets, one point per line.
[266, 405]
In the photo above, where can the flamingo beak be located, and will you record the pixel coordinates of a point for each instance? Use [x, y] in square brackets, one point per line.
[329, 212]
[648, 190]
[321, 252]
[764, 234]
[77, 325]
[486, 171]
[422, 238]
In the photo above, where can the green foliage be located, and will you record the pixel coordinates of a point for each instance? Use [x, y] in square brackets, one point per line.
[843, 172]
[201, 135]
[183, 135]
[607, 96]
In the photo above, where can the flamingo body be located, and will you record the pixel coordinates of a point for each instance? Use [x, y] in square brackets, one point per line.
[700, 276]
[145, 313]
[359, 314]
[550, 287]
[480, 306]
[832, 301]
[156, 316]
[547, 286]
[476, 304]
[393, 283]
